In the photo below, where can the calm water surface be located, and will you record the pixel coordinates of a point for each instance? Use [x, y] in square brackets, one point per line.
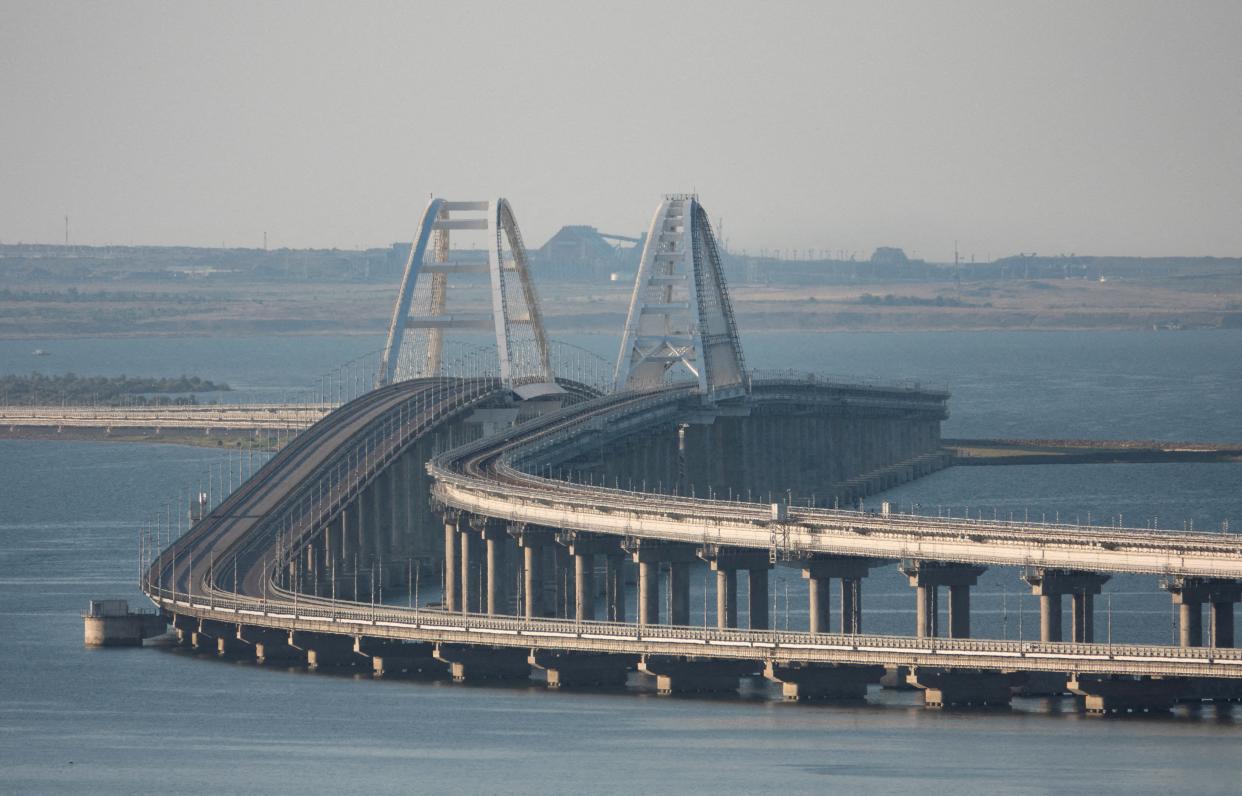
[148, 720]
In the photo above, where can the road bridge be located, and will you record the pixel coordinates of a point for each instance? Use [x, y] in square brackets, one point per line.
[207, 417]
[529, 507]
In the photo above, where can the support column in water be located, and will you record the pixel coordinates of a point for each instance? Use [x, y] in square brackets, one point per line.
[726, 598]
[927, 577]
[469, 568]
[532, 539]
[679, 593]
[819, 595]
[614, 587]
[1049, 585]
[495, 536]
[758, 597]
[818, 571]
[649, 555]
[452, 543]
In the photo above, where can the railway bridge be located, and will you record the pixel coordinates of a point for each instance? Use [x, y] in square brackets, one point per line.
[495, 525]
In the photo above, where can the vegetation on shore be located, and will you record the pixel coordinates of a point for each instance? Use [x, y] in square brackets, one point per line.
[69, 388]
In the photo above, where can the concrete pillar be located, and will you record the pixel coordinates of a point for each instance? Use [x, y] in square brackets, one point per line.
[1189, 595]
[532, 580]
[851, 606]
[1083, 617]
[819, 599]
[1190, 623]
[1222, 623]
[1050, 585]
[679, 593]
[1050, 617]
[615, 588]
[469, 590]
[584, 586]
[928, 577]
[648, 593]
[926, 611]
[496, 580]
[452, 590]
[959, 611]
[758, 598]
[726, 598]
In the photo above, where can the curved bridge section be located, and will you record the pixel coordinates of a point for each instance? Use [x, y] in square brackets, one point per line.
[273, 572]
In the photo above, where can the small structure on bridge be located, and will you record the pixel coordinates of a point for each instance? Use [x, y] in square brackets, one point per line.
[422, 307]
[110, 623]
[680, 317]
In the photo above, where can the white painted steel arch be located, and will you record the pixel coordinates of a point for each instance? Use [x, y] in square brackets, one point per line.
[422, 307]
[680, 316]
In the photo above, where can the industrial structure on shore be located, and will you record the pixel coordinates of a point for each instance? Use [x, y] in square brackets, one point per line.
[559, 523]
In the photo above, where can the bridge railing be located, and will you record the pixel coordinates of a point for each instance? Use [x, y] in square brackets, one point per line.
[353, 618]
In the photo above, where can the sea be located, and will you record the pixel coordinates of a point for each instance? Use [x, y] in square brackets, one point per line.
[159, 719]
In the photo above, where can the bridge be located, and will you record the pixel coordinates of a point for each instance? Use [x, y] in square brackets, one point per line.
[206, 418]
[497, 524]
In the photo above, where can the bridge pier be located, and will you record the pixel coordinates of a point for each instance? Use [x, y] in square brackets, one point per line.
[818, 573]
[811, 682]
[726, 561]
[1190, 594]
[1050, 585]
[452, 542]
[614, 587]
[726, 598]
[928, 577]
[583, 547]
[472, 571]
[495, 535]
[532, 540]
[649, 555]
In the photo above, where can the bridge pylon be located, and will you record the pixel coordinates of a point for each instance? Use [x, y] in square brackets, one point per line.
[680, 316]
[422, 315]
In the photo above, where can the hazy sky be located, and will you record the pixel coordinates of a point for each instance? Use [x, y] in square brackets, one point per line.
[1102, 127]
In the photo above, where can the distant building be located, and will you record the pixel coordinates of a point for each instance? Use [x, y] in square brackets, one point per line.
[579, 253]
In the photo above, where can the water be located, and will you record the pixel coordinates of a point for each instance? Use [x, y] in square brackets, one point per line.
[147, 720]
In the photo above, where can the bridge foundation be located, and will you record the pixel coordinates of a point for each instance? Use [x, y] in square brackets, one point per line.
[470, 663]
[677, 675]
[1103, 694]
[389, 658]
[809, 682]
[586, 670]
[324, 651]
[270, 646]
[944, 688]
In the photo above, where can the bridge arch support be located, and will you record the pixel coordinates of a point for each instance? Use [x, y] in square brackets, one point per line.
[680, 316]
[422, 314]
